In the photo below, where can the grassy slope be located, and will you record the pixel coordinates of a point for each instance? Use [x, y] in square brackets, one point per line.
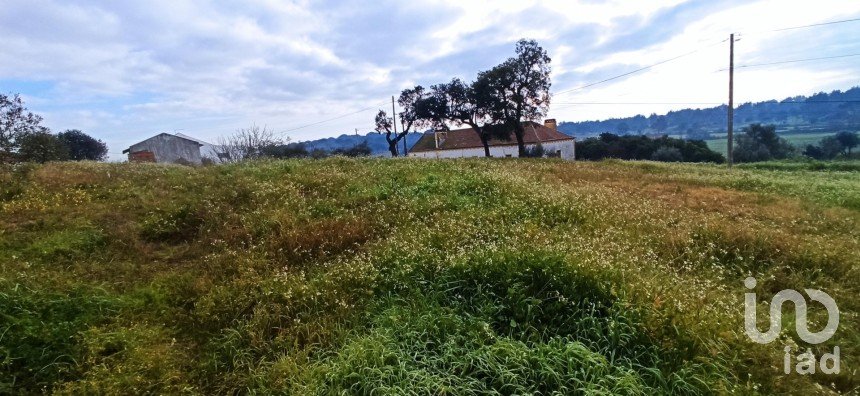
[468, 276]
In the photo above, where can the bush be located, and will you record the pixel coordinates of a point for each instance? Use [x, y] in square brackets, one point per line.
[760, 143]
[42, 147]
[359, 150]
[667, 154]
[82, 147]
[633, 147]
[536, 151]
[179, 224]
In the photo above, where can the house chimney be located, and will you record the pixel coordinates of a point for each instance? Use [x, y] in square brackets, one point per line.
[551, 124]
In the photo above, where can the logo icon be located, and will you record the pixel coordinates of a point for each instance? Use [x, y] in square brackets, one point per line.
[829, 362]
[800, 310]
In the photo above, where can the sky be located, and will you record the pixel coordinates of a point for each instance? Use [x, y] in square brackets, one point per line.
[123, 71]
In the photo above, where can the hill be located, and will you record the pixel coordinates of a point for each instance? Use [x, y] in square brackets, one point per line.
[822, 112]
[376, 141]
[370, 276]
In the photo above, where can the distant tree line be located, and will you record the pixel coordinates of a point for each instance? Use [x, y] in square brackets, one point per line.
[833, 146]
[23, 138]
[758, 142]
[834, 110]
[257, 142]
[640, 147]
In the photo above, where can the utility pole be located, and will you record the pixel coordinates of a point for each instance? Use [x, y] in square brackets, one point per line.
[731, 117]
[394, 118]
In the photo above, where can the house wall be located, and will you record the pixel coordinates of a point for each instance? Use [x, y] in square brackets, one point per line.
[168, 149]
[565, 147]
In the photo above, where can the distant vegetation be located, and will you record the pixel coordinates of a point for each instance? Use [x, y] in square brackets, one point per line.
[366, 276]
[496, 104]
[374, 140]
[835, 111]
[23, 138]
[663, 149]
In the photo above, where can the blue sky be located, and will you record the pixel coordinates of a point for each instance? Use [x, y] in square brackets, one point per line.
[123, 70]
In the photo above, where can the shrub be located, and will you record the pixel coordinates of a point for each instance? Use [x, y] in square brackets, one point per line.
[667, 154]
[177, 224]
[536, 151]
[631, 147]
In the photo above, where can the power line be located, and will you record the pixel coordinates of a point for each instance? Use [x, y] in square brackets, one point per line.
[331, 119]
[639, 70]
[571, 104]
[790, 61]
[816, 24]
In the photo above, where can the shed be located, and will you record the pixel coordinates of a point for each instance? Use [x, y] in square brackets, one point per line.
[165, 148]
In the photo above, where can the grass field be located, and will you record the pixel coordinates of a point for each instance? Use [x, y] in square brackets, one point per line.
[799, 140]
[375, 276]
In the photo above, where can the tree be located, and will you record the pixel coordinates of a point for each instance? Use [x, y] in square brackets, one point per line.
[16, 122]
[521, 88]
[608, 145]
[760, 143]
[410, 102]
[660, 124]
[813, 151]
[289, 150]
[82, 147]
[359, 150]
[667, 154]
[462, 104]
[848, 139]
[248, 143]
[41, 147]
[831, 147]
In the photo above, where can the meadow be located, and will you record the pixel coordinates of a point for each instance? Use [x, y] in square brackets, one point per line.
[406, 276]
[799, 140]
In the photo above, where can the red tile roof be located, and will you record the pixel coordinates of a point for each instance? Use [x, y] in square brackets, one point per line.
[468, 138]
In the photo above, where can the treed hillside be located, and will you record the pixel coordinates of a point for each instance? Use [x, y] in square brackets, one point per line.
[376, 141]
[820, 112]
[375, 276]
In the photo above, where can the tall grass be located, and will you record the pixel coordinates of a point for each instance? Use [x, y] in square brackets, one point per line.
[370, 276]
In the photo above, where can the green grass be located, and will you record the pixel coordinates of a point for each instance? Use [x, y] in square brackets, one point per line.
[375, 276]
[799, 140]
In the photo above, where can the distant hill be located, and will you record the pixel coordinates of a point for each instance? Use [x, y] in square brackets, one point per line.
[376, 141]
[817, 113]
[822, 112]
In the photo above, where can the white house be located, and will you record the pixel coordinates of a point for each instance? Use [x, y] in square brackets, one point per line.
[462, 143]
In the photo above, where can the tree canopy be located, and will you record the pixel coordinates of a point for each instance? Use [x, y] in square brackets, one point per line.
[15, 122]
[520, 87]
[497, 102]
[639, 147]
[82, 147]
[410, 101]
[758, 142]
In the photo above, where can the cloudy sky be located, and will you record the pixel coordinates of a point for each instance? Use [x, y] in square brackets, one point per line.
[125, 70]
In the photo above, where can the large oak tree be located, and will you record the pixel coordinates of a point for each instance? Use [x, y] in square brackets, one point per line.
[521, 88]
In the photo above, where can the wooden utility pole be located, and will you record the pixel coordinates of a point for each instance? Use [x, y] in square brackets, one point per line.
[731, 116]
[394, 119]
